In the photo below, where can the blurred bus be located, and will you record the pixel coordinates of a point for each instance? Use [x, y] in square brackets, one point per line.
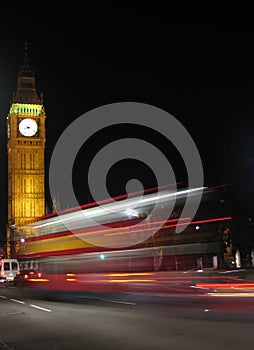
[126, 235]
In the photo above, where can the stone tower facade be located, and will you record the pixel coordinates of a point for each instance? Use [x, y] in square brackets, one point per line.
[26, 137]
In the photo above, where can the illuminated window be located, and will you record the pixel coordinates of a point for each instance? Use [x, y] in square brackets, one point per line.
[23, 185]
[31, 157]
[32, 209]
[23, 161]
[23, 209]
[31, 186]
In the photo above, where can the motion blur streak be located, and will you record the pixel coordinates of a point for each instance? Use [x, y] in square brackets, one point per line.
[226, 285]
[232, 295]
[110, 200]
[38, 279]
[132, 280]
[128, 274]
[154, 223]
[145, 282]
[162, 261]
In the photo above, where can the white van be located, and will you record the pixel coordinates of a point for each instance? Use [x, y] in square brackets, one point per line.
[8, 269]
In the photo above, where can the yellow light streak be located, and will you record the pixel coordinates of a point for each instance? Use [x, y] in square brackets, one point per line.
[38, 280]
[132, 280]
[231, 294]
[129, 274]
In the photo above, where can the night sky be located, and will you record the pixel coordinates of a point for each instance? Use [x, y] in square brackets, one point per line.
[198, 66]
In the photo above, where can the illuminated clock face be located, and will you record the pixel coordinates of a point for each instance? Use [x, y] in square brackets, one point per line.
[28, 127]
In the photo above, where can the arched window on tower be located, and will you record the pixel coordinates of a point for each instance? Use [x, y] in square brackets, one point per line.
[23, 209]
[31, 158]
[23, 161]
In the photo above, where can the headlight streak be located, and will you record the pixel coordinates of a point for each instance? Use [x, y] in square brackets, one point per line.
[118, 208]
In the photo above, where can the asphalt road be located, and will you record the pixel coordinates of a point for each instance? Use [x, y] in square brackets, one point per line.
[177, 320]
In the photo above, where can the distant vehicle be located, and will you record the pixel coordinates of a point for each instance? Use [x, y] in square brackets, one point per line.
[8, 269]
[26, 276]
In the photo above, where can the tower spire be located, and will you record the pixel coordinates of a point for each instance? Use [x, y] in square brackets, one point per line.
[26, 89]
[26, 69]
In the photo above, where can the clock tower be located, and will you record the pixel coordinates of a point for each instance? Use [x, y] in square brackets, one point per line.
[26, 148]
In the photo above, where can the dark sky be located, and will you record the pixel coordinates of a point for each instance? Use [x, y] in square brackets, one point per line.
[196, 64]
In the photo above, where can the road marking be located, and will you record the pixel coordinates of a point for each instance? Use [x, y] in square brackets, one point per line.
[40, 308]
[18, 301]
[3, 297]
